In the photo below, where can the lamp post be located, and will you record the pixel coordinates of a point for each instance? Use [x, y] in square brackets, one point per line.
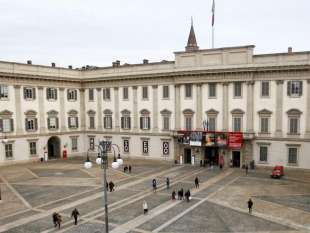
[102, 160]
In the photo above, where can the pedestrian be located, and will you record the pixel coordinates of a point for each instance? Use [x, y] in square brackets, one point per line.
[196, 182]
[154, 184]
[125, 168]
[173, 195]
[168, 182]
[246, 169]
[145, 208]
[58, 220]
[129, 168]
[250, 205]
[111, 186]
[181, 194]
[75, 213]
[200, 163]
[187, 195]
[55, 219]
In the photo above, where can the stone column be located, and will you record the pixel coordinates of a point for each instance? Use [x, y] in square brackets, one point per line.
[82, 109]
[199, 106]
[42, 118]
[308, 111]
[135, 108]
[225, 106]
[177, 107]
[18, 110]
[116, 108]
[155, 108]
[250, 107]
[99, 108]
[62, 109]
[279, 108]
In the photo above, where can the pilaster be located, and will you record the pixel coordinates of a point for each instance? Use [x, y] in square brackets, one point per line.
[279, 108]
[135, 108]
[116, 108]
[225, 106]
[82, 109]
[18, 110]
[42, 118]
[99, 108]
[308, 110]
[62, 109]
[250, 107]
[155, 108]
[177, 107]
[198, 106]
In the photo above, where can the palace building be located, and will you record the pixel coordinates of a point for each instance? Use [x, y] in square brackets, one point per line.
[224, 105]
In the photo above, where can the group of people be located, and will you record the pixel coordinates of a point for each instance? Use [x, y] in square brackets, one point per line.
[127, 168]
[111, 186]
[181, 195]
[57, 219]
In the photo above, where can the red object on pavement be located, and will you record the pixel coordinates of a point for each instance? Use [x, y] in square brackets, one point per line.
[277, 172]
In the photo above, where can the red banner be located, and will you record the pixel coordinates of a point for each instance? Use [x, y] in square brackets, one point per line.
[235, 140]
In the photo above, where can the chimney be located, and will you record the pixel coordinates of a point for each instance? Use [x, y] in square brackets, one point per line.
[53, 64]
[70, 67]
[145, 61]
[118, 63]
[29, 62]
[113, 64]
[289, 49]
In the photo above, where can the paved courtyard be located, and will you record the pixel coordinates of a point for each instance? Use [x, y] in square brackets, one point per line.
[32, 192]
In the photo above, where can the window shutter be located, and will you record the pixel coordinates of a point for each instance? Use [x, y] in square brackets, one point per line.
[55, 94]
[104, 123]
[25, 97]
[110, 122]
[75, 92]
[77, 122]
[289, 88]
[129, 123]
[47, 90]
[67, 94]
[48, 123]
[122, 122]
[57, 123]
[34, 93]
[148, 122]
[141, 122]
[69, 123]
[12, 125]
[36, 124]
[1, 125]
[26, 126]
[300, 93]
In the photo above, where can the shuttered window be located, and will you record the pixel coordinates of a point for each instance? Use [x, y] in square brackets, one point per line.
[29, 93]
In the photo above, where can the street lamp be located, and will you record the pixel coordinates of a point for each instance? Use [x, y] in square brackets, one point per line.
[102, 159]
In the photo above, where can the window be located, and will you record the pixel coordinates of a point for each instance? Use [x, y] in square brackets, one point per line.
[293, 125]
[166, 123]
[72, 94]
[126, 145]
[188, 123]
[165, 92]
[145, 94]
[264, 124]
[4, 92]
[29, 93]
[294, 88]
[265, 88]
[73, 122]
[125, 119]
[145, 146]
[92, 143]
[31, 124]
[91, 122]
[237, 89]
[211, 123]
[188, 91]
[145, 120]
[212, 90]
[106, 94]
[263, 154]
[74, 143]
[8, 151]
[237, 124]
[33, 148]
[107, 119]
[52, 122]
[6, 125]
[91, 94]
[125, 93]
[51, 93]
[292, 155]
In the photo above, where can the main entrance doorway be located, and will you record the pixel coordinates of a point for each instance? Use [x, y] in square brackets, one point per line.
[187, 155]
[211, 155]
[236, 158]
[53, 147]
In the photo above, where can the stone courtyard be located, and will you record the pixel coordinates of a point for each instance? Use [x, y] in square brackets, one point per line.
[32, 192]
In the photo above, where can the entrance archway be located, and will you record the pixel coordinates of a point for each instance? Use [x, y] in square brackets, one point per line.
[53, 147]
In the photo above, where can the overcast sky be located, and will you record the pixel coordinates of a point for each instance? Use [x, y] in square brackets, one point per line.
[96, 32]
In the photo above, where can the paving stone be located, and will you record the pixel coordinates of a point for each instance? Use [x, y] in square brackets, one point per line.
[17, 216]
[60, 173]
[92, 227]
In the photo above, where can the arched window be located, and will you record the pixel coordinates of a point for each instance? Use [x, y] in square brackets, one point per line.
[188, 118]
[145, 120]
[107, 119]
[125, 119]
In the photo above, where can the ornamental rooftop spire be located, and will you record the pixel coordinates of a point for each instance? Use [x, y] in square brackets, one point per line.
[191, 42]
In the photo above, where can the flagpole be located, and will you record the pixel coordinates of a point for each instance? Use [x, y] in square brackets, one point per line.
[212, 37]
[213, 19]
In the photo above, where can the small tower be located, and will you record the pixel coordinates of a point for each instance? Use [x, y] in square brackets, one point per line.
[191, 43]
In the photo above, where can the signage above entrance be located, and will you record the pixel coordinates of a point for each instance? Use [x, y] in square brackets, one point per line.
[235, 140]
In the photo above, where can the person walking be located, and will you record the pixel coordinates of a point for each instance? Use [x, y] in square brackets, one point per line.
[187, 195]
[145, 207]
[55, 219]
[111, 186]
[168, 183]
[173, 195]
[250, 205]
[181, 194]
[246, 169]
[196, 182]
[129, 168]
[59, 220]
[75, 213]
[154, 184]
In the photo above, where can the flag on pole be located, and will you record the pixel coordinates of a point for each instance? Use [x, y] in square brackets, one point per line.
[213, 12]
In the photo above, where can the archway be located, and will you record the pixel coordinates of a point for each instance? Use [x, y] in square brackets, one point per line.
[53, 147]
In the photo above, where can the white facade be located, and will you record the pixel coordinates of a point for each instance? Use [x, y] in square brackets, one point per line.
[282, 143]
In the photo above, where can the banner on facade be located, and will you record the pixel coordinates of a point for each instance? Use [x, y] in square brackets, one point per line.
[235, 140]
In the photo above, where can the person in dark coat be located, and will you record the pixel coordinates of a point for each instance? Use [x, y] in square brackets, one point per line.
[55, 219]
[196, 182]
[129, 168]
[173, 195]
[246, 169]
[111, 186]
[154, 184]
[125, 169]
[181, 194]
[250, 205]
[187, 195]
[168, 182]
[75, 213]
[58, 220]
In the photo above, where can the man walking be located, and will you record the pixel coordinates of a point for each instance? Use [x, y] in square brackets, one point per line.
[250, 205]
[154, 185]
[196, 182]
[129, 168]
[111, 186]
[168, 183]
[145, 207]
[75, 213]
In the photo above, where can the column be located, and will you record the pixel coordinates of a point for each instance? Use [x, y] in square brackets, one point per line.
[18, 110]
[250, 107]
[116, 108]
[279, 108]
[199, 107]
[308, 110]
[62, 109]
[225, 106]
[82, 109]
[177, 107]
[135, 108]
[99, 109]
[155, 108]
[42, 118]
